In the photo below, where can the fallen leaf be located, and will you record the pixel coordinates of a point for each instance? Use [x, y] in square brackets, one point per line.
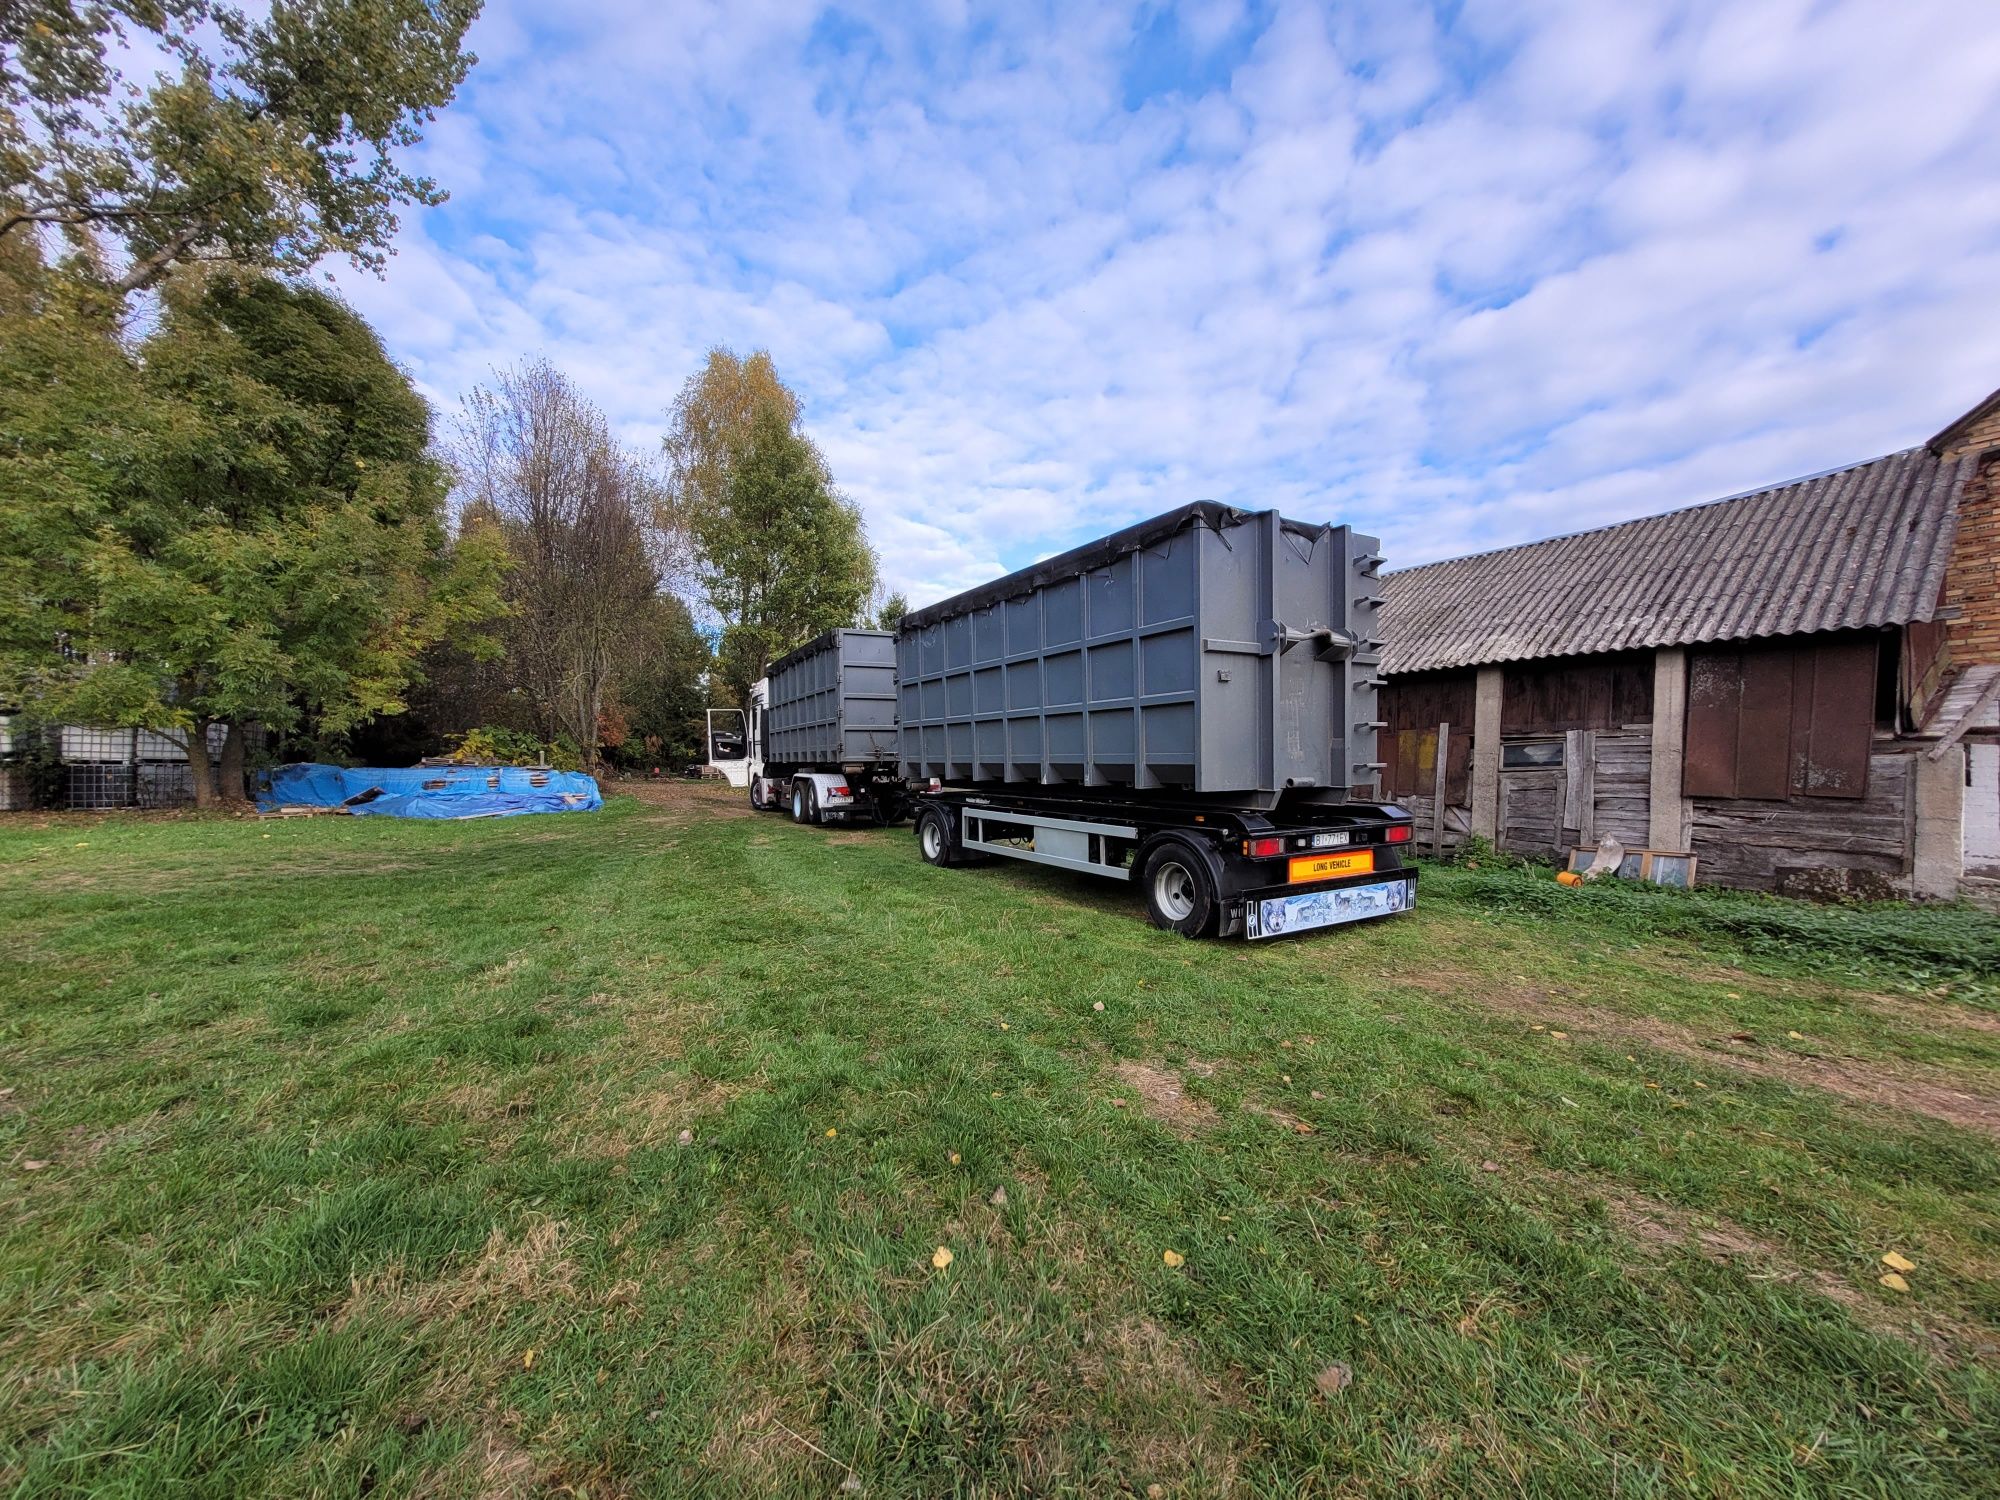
[528, 1360]
[1742, 1036]
[940, 1257]
[1895, 1260]
[1117, 1103]
[831, 1132]
[954, 1158]
[1699, 1084]
[1489, 1166]
[1097, 1005]
[1893, 1282]
[1155, 1491]
[1334, 1379]
[1302, 1128]
[33, 1166]
[1797, 1036]
[1561, 1036]
[1318, 1095]
[1732, 994]
[1173, 1257]
[999, 1198]
[1286, 1076]
[687, 1137]
[1003, 1025]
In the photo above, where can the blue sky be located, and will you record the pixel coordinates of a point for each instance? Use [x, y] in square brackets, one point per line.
[1462, 275]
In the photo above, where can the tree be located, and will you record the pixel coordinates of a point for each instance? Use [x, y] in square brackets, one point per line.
[268, 142]
[260, 536]
[889, 614]
[664, 693]
[536, 460]
[779, 554]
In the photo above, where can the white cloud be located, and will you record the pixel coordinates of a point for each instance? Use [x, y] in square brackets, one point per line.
[1463, 280]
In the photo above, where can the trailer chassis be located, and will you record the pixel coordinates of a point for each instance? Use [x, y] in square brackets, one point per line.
[1204, 870]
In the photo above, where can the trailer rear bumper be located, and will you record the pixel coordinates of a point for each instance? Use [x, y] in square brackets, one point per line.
[1283, 910]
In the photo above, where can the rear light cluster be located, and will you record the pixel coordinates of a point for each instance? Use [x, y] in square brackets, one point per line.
[1263, 848]
[1399, 833]
[840, 791]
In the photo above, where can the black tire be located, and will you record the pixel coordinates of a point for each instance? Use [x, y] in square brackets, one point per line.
[1180, 891]
[756, 798]
[802, 802]
[936, 841]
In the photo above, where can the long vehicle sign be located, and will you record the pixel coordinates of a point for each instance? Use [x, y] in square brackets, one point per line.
[1331, 866]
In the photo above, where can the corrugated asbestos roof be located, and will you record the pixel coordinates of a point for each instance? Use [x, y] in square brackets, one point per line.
[1855, 548]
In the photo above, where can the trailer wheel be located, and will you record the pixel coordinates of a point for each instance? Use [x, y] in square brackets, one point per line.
[1180, 891]
[802, 802]
[934, 840]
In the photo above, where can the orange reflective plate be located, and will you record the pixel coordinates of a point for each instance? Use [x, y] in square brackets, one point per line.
[1327, 866]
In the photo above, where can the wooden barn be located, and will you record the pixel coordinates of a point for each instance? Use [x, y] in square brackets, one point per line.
[1796, 686]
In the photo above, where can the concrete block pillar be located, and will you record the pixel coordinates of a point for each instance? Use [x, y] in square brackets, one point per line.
[1670, 822]
[1486, 755]
[1938, 857]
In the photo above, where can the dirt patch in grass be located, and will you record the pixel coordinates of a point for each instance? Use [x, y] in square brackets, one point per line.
[766, 1438]
[1904, 1088]
[1177, 1419]
[1162, 1096]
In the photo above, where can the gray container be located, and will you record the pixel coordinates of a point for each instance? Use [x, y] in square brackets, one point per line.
[833, 701]
[1210, 651]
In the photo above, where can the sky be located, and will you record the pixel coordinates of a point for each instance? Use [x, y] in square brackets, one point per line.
[1461, 275]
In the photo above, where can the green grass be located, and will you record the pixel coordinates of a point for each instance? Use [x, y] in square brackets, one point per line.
[343, 1119]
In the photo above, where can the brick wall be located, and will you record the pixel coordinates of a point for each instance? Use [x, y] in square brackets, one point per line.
[1972, 585]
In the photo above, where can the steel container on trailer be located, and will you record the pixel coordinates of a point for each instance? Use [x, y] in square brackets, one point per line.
[832, 702]
[1210, 651]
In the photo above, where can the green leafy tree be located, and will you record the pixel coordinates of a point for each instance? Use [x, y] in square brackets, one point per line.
[263, 541]
[269, 140]
[778, 553]
[889, 614]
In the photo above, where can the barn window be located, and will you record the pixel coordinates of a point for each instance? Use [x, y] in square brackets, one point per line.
[1531, 755]
[1772, 720]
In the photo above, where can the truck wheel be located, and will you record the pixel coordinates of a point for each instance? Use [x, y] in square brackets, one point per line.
[801, 807]
[934, 840]
[757, 800]
[1180, 892]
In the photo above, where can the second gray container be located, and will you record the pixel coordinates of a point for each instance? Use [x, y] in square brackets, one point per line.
[832, 702]
[1209, 651]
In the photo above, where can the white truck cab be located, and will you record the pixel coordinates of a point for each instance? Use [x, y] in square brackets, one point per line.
[736, 742]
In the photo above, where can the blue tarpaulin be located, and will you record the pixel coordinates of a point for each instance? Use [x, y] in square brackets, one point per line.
[430, 791]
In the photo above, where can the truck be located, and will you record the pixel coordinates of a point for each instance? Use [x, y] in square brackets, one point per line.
[818, 735]
[1188, 704]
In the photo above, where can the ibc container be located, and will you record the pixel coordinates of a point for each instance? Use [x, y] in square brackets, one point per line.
[1211, 652]
[832, 702]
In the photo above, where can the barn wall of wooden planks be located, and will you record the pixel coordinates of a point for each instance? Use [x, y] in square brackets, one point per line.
[1833, 810]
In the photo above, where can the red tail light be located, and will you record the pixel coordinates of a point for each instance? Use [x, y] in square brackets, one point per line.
[1263, 848]
[841, 791]
[1399, 833]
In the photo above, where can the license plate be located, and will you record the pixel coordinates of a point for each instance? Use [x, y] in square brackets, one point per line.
[1328, 866]
[1329, 840]
[1274, 916]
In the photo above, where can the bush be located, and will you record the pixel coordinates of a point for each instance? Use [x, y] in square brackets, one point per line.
[494, 746]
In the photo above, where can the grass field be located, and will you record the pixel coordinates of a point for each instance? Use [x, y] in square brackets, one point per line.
[611, 1154]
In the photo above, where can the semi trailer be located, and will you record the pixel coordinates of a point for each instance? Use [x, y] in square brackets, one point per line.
[1189, 704]
[818, 735]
